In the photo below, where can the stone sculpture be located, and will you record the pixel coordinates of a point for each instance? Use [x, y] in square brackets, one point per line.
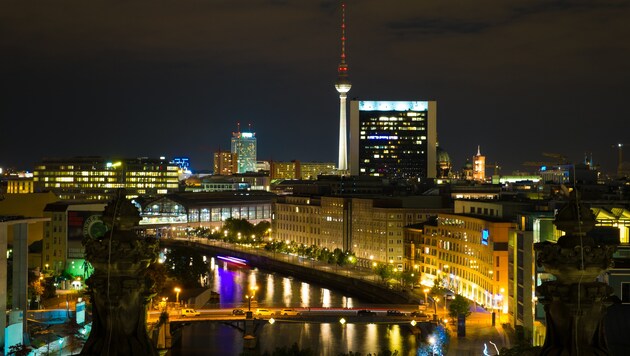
[119, 288]
[575, 303]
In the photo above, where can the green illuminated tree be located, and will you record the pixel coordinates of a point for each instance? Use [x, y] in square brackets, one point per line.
[384, 271]
[459, 305]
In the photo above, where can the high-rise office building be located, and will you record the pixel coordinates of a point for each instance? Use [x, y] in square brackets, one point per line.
[343, 87]
[244, 146]
[393, 139]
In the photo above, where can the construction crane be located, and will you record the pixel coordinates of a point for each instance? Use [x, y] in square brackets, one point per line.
[559, 159]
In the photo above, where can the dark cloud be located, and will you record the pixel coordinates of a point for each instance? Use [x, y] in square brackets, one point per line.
[437, 26]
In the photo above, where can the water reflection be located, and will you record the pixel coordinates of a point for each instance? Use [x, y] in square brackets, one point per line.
[278, 291]
[305, 295]
[286, 291]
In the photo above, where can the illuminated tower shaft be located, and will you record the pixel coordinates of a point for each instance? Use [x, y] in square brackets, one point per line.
[343, 147]
[343, 86]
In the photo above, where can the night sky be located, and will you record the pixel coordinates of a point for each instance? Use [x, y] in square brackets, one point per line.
[173, 78]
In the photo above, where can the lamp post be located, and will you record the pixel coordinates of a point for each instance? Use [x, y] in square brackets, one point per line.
[374, 264]
[177, 290]
[252, 293]
[426, 298]
[249, 297]
[435, 301]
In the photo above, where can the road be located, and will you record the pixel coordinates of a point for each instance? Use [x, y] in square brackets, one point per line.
[317, 315]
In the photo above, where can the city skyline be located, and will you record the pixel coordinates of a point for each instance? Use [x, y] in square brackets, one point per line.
[145, 79]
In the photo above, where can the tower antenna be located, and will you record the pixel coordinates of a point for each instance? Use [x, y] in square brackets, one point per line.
[343, 87]
[343, 66]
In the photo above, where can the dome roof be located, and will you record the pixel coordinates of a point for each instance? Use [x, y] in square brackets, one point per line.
[442, 156]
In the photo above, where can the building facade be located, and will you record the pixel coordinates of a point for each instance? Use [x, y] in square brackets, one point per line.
[173, 214]
[244, 146]
[69, 223]
[393, 139]
[300, 170]
[371, 228]
[98, 178]
[19, 185]
[285, 170]
[225, 163]
[465, 254]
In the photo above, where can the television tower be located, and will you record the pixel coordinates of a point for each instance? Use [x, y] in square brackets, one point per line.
[343, 87]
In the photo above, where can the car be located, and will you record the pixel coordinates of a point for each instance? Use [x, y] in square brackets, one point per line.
[289, 312]
[264, 312]
[419, 314]
[238, 312]
[190, 312]
[395, 313]
[365, 312]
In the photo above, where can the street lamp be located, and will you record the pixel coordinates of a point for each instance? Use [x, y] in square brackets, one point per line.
[177, 290]
[250, 296]
[435, 301]
[426, 298]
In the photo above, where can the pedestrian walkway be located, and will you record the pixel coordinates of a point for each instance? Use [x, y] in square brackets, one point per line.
[481, 337]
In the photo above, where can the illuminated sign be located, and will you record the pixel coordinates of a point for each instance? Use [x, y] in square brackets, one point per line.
[393, 105]
[382, 137]
[485, 235]
[247, 134]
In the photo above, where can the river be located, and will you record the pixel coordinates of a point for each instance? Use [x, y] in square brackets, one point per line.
[273, 290]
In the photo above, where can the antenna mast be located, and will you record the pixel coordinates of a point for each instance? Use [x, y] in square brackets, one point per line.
[343, 66]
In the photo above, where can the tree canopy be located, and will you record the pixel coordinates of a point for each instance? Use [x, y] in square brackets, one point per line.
[459, 305]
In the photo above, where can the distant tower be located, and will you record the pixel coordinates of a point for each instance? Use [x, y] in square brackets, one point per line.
[343, 87]
[479, 166]
[244, 146]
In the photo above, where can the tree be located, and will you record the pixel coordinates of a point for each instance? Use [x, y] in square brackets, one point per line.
[340, 257]
[50, 291]
[385, 271]
[157, 273]
[262, 228]
[234, 226]
[186, 265]
[35, 292]
[408, 278]
[459, 305]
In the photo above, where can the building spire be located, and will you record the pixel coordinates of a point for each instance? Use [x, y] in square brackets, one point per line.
[478, 150]
[343, 66]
